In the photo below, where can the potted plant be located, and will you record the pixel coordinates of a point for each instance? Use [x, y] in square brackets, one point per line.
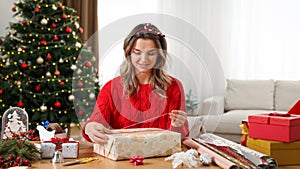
[191, 104]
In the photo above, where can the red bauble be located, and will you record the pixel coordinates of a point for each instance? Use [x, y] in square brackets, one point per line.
[43, 42]
[1, 91]
[80, 84]
[37, 10]
[80, 30]
[37, 88]
[24, 21]
[57, 104]
[79, 57]
[68, 29]
[61, 83]
[88, 64]
[14, 9]
[53, 25]
[57, 73]
[55, 38]
[20, 104]
[64, 16]
[24, 65]
[80, 112]
[49, 56]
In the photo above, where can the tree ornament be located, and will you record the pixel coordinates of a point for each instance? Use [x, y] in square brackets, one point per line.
[53, 25]
[39, 60]
[54, 7]
[37, 88]
[61, 7]
[61, 83]
[71, 97]
[96, 80]
[49, 56]
[20, 104]
[78, 45]
[57, 104]
[80, 30]
[20, 49]
[44, 21]
[77, 25]
[55, 38]
[92, 96]
[79, 57]
[80, 84]
[1, 91]
[19, 83]
[79, 71]
[43, 42]
[73, 67]
[14, 9]
[43, 108]
[61, 60]
[68, 29]
[88, 64]
[48, 74]
[94, 58]
[24, 21]
[64, 16]
[80, 112]
[24, 66]
[37, 10]
[57, 73]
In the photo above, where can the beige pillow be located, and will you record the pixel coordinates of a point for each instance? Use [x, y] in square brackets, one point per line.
[249, 94]
[287, 93]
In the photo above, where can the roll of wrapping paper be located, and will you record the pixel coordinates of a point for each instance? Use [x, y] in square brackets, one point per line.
[217, 158]
[260, 159]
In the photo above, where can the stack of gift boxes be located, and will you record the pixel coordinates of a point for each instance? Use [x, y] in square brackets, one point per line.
[274, 134]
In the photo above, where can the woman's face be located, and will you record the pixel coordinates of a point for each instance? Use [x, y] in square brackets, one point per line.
[144, 54]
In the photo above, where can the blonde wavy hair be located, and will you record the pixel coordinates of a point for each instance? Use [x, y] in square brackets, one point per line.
[159, 80]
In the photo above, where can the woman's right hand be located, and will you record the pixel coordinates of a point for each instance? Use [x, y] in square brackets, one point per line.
[96, 132]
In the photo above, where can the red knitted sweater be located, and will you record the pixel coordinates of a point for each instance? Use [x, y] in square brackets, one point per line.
[146, 109]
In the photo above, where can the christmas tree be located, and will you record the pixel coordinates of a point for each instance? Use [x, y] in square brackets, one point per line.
[45, 67]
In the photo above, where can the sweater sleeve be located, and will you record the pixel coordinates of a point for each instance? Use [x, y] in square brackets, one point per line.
[177, 102]
[102, 110]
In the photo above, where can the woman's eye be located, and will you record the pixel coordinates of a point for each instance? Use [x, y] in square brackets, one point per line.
[137, 52]
[151, 53]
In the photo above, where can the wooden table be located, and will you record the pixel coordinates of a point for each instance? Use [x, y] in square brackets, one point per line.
[86, 150]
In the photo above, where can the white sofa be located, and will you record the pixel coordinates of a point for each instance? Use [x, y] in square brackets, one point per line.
[222, 115]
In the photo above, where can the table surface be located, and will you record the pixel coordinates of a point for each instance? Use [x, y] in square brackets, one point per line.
[86, 150]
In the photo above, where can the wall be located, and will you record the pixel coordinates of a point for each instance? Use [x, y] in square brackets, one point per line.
[6, 15]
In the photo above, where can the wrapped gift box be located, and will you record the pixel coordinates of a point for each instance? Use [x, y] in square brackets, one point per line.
[69, 149]
[275, 126]
[284, 153]
[145, 142]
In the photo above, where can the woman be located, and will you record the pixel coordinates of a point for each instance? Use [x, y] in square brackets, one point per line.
[143, 96]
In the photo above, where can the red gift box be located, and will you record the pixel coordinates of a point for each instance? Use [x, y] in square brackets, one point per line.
[275, 126]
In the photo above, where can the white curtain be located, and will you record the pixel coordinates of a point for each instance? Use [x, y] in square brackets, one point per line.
[254, 39]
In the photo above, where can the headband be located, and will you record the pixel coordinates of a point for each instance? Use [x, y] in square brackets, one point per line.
[149, 28]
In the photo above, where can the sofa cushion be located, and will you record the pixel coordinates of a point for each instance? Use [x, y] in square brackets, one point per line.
[249, 94]
[287, 93]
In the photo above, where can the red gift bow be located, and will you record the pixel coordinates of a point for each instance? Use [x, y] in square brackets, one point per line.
[279, 114]
[58, 142]
[137, 160]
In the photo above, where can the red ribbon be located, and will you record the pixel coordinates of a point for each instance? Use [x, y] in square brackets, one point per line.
[279, 114]
[58, 142]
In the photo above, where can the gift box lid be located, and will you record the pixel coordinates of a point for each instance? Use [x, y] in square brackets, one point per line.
[275, 119]
[272, 145]
[295, 109]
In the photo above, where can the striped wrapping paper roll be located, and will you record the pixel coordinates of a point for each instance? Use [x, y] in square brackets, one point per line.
[230, 155]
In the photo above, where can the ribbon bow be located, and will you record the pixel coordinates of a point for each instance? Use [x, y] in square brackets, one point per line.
[279, 114]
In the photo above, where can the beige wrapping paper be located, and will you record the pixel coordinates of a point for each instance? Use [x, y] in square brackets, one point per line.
[145, 142]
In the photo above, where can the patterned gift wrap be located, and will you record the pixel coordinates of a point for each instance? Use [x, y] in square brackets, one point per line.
[145, 142]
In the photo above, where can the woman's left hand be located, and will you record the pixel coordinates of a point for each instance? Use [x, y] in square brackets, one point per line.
[178, 117]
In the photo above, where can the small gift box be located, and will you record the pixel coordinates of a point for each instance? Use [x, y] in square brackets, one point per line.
[284, 153]
[145, 142]
[69, 148]
[275, 126]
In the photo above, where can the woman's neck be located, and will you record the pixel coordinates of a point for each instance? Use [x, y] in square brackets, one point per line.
[143, 78]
